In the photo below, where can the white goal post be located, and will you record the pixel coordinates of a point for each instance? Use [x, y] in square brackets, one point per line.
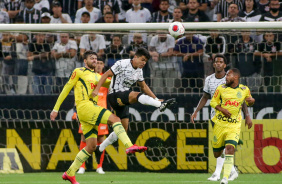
[139, 26]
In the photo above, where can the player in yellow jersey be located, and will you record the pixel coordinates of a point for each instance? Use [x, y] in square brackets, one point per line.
[227, 101]
[84, 81]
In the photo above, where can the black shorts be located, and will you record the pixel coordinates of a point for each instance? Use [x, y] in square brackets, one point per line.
[119, 101]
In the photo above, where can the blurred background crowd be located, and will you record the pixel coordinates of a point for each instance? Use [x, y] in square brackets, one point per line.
[40, 63]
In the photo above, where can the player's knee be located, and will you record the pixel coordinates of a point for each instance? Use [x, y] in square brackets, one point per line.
[217, 154]
[229, 149]
[113, 119]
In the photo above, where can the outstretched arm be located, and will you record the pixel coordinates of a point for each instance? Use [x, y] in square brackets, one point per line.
[201, 104]
[67, 88]
[103, 78]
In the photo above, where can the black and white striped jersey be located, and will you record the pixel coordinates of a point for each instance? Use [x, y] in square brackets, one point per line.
[124, 76]
[31, 16]
[211, 83]
[12, 6]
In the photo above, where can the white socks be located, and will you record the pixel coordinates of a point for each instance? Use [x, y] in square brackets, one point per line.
[110, 140]
[219, 164]
[147, 100]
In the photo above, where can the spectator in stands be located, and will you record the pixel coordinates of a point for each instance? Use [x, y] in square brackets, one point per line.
[95, 13]
[138, 14]
[263, 6]
[59, 17]
[233, 11]
[250, 12]
[163, 69]
[189, 50]
[248, 65]
[20, 55]
[194, 14]
[12, 7]
[8, 67]
[39, 4]
[162, 15]
[94, 42]
[30, 14]
[85, 17]
[64, 53]
[42, 67]
[107, 18]
[145, 4]
[45, 18]
[4, 17]
[115, 51]
[177, 14]
[211, 9]
[215, 44]
[274, 14]
[112, 3]
[223, 8]
[184, 5]
[123, 7]
[70, 7]
[269, 50]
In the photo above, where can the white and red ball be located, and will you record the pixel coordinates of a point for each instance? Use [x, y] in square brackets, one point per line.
[176, 29]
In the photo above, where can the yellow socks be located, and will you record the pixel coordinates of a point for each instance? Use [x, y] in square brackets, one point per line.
[122, 135]
[228, 164]
[81, 157]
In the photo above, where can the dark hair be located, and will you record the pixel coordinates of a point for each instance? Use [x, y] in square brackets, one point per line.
[235, 4]
[164, 0]
[220, 56]
[108, 13]
[105, 6]
[236, 71]
[177, 7]
[88, 53]
[143, 52]
[254, 7]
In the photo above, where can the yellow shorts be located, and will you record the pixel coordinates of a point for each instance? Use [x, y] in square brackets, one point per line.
[223, 136]
[90, 117]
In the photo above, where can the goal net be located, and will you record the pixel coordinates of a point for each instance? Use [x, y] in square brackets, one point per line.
[36, 62]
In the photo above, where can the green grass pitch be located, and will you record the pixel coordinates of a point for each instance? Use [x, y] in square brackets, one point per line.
[134, 178]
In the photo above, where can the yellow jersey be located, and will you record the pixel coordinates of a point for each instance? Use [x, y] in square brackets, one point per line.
[232, 100]
[84, 82]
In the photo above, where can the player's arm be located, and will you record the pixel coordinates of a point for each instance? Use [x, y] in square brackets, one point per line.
[215, 103]
[107, 83]
[66, 90]
[249, 99]
[201, 104]
[145, 88]
[102, 80]
[248, 120]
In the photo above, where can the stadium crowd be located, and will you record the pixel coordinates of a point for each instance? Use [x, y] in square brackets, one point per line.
[40, 63]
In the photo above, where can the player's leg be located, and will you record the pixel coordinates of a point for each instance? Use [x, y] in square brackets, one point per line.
[102, 131]
[218, 146]
[147, 100]
[219, 164]
[231, 141]
[90, 134]
[81, 146]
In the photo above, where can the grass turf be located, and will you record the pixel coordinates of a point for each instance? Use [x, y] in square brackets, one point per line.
[134, 178]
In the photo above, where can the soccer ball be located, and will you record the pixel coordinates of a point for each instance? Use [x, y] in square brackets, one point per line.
[176, 29]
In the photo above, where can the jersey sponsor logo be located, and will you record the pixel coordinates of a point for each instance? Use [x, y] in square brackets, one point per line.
[120, 102]
[92, 86]
[224, 118]
[216, 93]
[239, 94]
[234, 103]
[73, 75]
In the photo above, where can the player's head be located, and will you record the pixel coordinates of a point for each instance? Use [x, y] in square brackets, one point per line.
[142, 55]
[100, 66]
[219, 62]
[90, 59]
[232, 77]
